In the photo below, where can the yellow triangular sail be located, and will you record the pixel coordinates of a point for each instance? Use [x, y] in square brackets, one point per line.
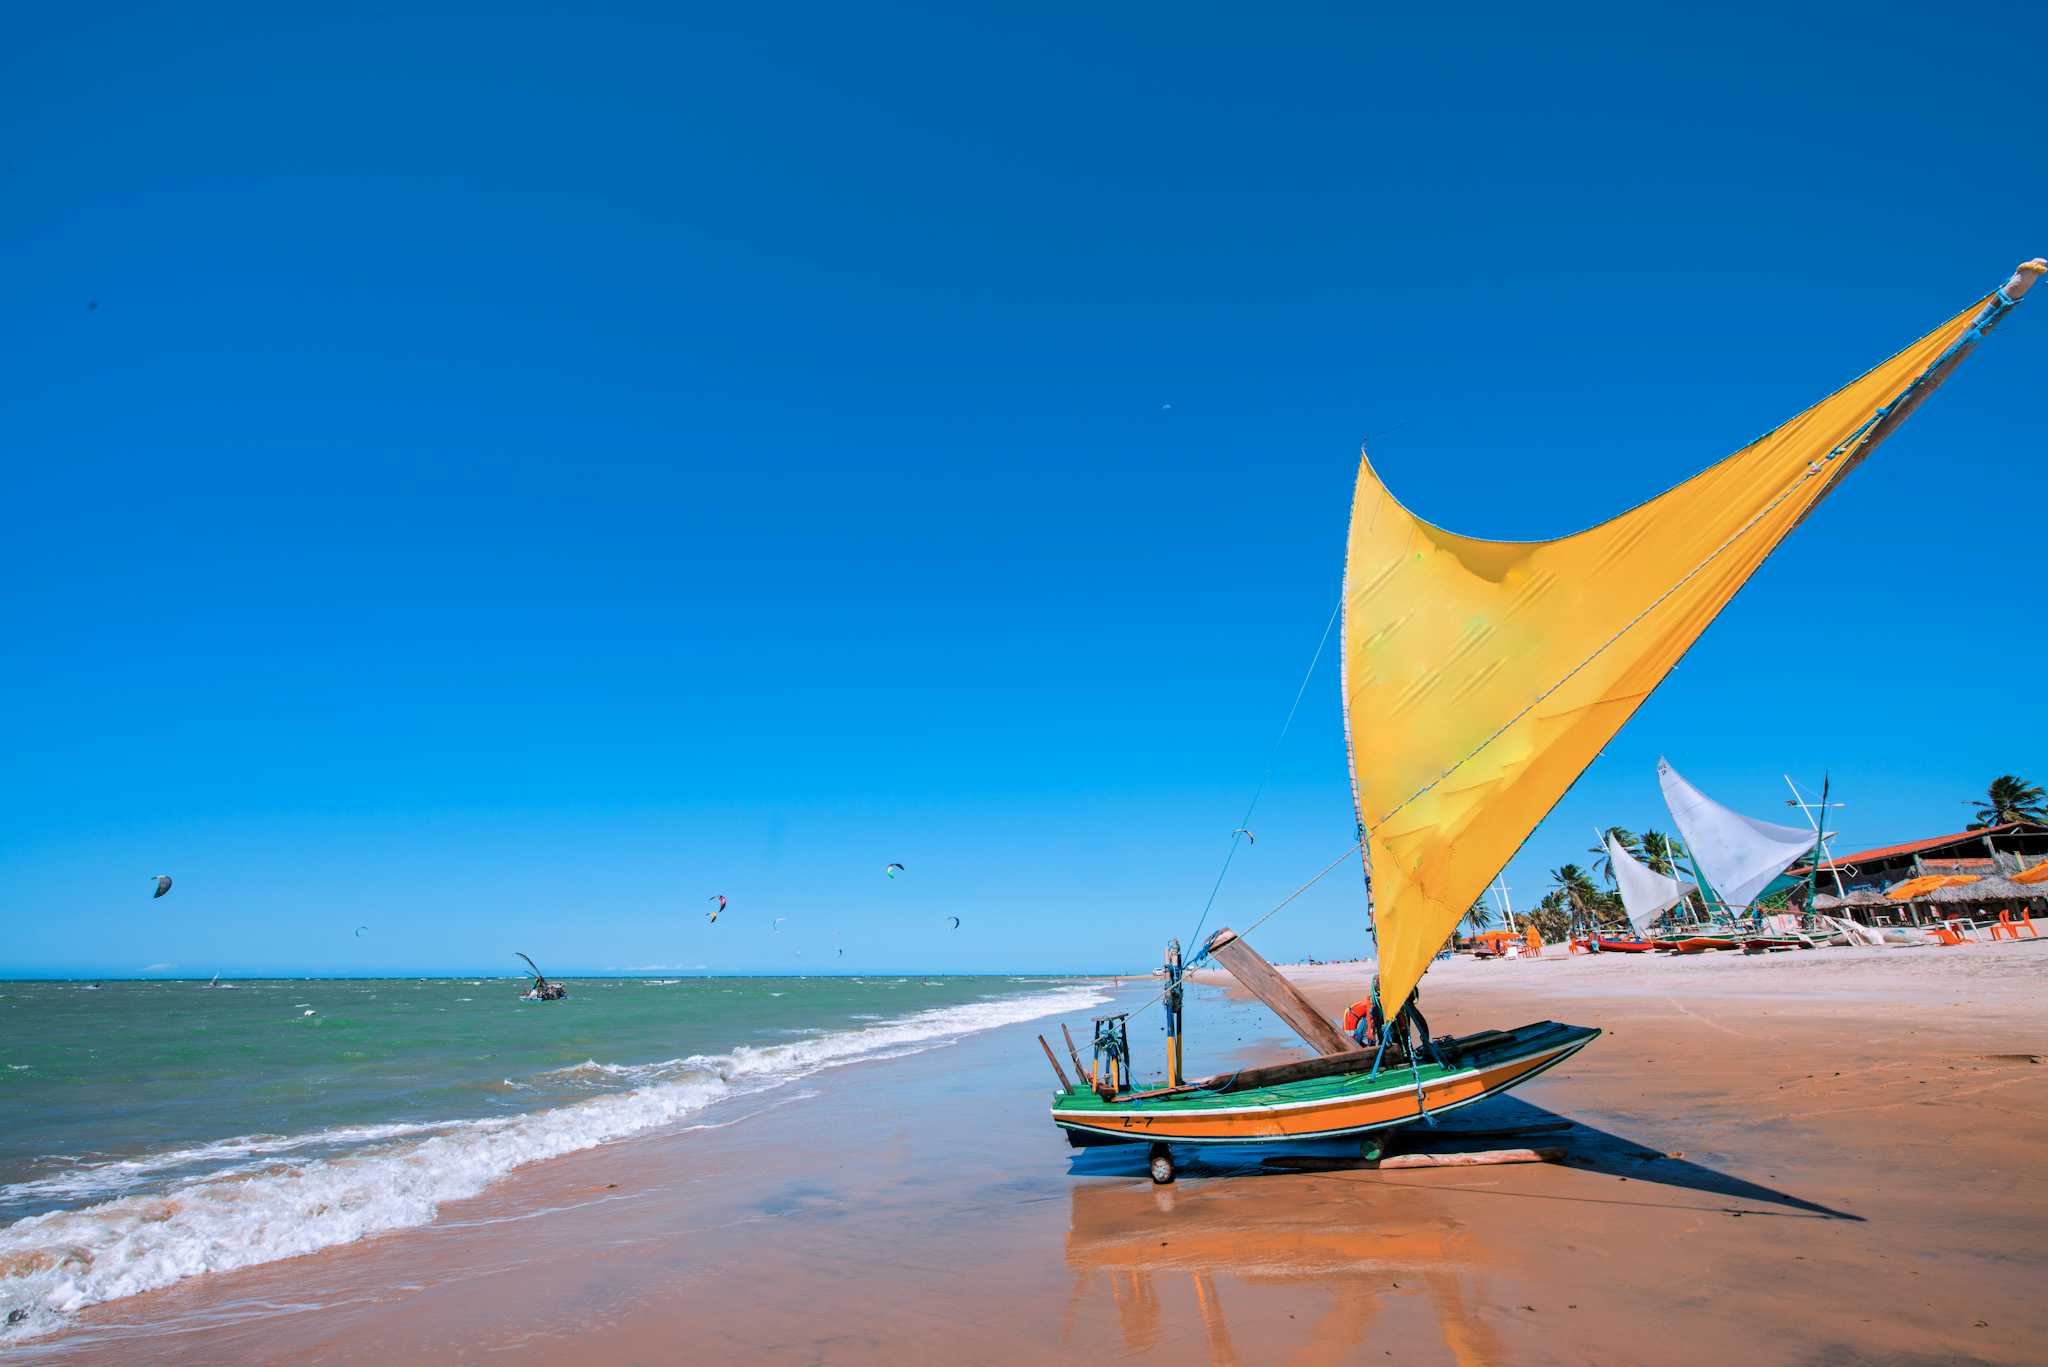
[1481, 677]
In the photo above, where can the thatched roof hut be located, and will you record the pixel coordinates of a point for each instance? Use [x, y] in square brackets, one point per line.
[1991, 888]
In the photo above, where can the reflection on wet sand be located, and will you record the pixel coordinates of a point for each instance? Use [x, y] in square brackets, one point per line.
[1340, 1248]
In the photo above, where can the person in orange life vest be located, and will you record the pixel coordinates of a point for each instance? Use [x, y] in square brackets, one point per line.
[1366, 1022]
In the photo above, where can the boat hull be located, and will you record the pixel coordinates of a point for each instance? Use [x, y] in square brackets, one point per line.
[1350, 1103]
[1769, 944]
[1701, 944]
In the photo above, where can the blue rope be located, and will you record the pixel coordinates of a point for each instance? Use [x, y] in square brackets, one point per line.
[1421, 1101]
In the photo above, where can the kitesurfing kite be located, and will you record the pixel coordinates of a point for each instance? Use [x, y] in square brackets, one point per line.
[360, 930]
[163, 885]
[776, 924]
[719, 898]
[955, 920]
[1249, 838]
[893, 870]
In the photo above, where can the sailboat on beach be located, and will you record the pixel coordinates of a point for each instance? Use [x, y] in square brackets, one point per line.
[1479, 679]
[1739, 856]
[1645, 893]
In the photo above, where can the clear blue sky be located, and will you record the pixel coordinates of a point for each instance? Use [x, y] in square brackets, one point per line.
[531, 468]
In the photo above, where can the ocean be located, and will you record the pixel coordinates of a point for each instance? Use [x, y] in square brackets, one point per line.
[158, 1130]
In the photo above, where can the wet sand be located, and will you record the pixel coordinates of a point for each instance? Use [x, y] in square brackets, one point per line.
[1832, 1156]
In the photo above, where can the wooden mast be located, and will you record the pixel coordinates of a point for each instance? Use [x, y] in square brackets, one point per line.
[1173, 1000]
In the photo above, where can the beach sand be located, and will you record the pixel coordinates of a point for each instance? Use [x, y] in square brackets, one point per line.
[1830, 1156]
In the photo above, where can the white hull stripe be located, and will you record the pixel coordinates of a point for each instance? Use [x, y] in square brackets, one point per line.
[1545, 1057]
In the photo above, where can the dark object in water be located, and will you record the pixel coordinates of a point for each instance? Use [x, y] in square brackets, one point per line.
[542, 990]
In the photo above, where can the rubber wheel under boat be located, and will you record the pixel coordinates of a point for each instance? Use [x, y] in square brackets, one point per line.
[1162, 1164]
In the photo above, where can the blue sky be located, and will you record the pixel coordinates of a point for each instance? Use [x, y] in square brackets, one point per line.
[531, 468]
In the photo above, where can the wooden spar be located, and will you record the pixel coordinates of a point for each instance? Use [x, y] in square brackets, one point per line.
[1057, 1071]
[1901, 407]
[1282, 997]
[1072, 1052]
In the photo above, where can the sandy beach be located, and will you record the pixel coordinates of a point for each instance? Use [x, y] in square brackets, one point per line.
[1824, 1157]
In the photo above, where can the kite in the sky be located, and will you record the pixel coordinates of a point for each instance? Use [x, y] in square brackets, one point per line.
[719, 898]
[163, 885]
[893, 870]
[776, 924]
[955, 920]
[360, 930]
[1249, 838]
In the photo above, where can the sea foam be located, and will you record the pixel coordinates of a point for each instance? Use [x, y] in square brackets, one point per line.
[275, 1202]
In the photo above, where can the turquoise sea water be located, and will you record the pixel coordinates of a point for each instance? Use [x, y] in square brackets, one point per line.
[157, 1129]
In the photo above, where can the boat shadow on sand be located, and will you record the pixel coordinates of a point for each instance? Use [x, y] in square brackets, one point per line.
[1498, 1123]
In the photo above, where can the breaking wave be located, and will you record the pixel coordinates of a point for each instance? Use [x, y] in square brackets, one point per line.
[281, 1196]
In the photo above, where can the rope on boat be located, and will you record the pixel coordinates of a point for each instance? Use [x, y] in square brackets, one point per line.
[1260, 791]
[1421, 1101]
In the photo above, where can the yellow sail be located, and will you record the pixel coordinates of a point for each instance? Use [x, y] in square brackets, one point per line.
[1481, 677]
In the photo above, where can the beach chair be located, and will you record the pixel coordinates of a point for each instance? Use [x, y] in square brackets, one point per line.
[2010, 926]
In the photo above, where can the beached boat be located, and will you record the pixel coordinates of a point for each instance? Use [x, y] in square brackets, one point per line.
[1646, 893]
[1739, 857]
[1771, 944]
[1479, 679]
[1611, 944]
[1699, 944]
[1327, 1098]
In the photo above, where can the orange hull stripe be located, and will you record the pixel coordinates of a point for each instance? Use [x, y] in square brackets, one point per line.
[1339, 1113]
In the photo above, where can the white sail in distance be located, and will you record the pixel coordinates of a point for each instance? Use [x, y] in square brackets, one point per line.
[1738, 855]
[1645, 893]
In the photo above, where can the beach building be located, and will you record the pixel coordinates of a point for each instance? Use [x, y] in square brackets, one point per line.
[1927, 881]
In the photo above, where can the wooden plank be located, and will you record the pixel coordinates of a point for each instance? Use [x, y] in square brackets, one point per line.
[1282, 997]
[1057, 1071]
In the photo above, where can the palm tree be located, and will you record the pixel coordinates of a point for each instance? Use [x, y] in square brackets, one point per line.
[1552, 916]
[1624, 838]
[2011, 798]
[1574, 883]
[1479, 916]
[1660, 852]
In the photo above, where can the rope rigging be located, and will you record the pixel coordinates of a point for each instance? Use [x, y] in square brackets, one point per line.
[1872, 429]
[1260, 791]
